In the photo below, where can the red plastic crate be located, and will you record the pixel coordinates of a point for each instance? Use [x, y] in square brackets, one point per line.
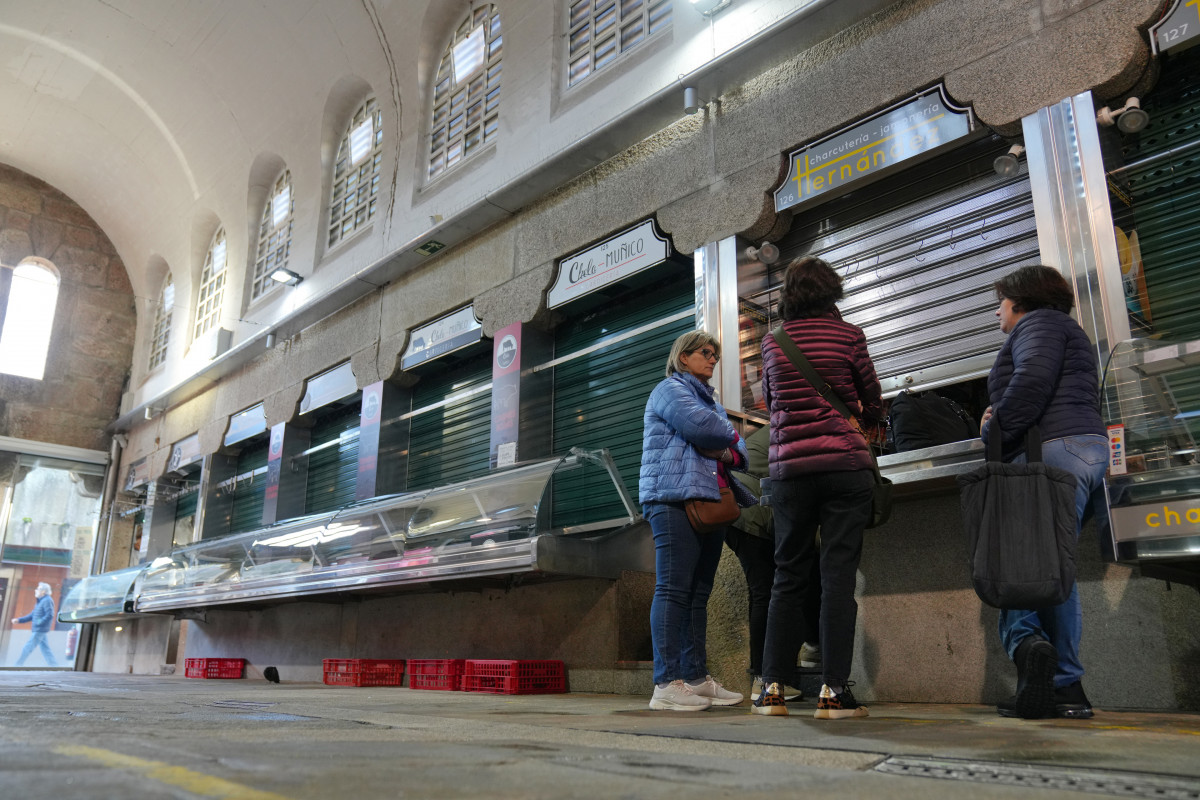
[214, 667]
[435, 673]
[364, 672]
[515, 677]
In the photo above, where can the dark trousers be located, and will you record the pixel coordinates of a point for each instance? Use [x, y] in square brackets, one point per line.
[839, 505]
[757, 557]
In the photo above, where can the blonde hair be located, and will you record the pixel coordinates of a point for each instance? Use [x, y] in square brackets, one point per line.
[690, 342]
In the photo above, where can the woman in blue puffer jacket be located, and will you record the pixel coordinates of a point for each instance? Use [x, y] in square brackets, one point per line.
[1047, 375]
[688, 445]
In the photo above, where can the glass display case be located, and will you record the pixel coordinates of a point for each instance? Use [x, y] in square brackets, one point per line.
[100, 598]
[1151, 404]
[494, 525]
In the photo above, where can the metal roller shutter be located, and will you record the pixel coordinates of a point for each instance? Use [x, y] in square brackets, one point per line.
[250, 487]
[333, 460]
[449, 443]
[600, 397]
[919, 252]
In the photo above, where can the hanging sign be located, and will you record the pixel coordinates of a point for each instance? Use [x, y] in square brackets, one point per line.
[442, 336]
[245, 424]
[920, 125]
[328, 386]
[1181, 26]
[185, 452]
[630, 251]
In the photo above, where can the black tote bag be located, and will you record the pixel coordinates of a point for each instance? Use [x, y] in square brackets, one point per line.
[1020, 526]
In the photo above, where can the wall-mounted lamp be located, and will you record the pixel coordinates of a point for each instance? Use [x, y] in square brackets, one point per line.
[271, 340]
[690, 102]
[767, 253]
[150, 412]
[286, 276]
[1009, 164]
[1129, 118]
[710, 7]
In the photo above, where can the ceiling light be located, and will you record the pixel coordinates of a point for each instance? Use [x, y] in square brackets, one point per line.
[286, 276]
[1009, 164]
[710, 7]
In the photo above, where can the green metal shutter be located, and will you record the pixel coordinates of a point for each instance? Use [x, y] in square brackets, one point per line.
[250, 488]
[450, 443]
[600, 398]
[1158, 197]
[333, 469]
[185, 504]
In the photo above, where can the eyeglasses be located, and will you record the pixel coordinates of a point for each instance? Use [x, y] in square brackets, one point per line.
[708, 354]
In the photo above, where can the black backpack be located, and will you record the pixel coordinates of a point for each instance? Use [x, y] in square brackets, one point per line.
[926, 419]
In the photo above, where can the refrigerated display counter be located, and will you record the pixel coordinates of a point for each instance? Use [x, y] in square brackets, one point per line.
[100, 598]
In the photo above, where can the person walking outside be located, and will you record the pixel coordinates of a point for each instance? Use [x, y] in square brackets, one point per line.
[1047, 374]
[822, 478]
[42, 617]
[688, 444]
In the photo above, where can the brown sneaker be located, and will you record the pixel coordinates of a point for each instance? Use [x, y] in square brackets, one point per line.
[841, 705]
[770, 703]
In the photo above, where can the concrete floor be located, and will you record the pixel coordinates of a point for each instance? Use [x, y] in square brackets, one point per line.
[79, 735]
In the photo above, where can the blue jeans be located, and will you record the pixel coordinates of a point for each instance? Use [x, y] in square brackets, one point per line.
[1085, 457]
[37, 640]
[685, 565]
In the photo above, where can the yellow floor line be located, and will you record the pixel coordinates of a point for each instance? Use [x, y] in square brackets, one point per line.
[180, 777]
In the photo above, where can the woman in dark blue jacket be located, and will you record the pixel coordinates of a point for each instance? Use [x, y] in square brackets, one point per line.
[1046, 374]
[687, 445]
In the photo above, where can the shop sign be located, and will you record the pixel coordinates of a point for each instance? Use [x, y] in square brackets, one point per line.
[1180, 27]
[506, 395]
[245, 424]
[139, 474]
[920, 125]
[328, 386]
[617, 257]
[185, 452]
[442, 336]
[1156, 520]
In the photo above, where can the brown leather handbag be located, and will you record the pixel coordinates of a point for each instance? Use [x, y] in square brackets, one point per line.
[709, 516]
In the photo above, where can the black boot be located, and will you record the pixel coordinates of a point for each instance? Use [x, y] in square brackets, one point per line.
[1036, 660]
[1071, 703]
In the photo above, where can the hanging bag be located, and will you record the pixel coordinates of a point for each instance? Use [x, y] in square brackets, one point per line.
[881, 495]
[1020, 522]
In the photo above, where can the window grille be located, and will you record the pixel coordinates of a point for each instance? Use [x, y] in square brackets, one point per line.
[598, 31]
[29, 320]
[274, 236]
[466, 94]
[212, 285]
[161, 335]
[356, 174]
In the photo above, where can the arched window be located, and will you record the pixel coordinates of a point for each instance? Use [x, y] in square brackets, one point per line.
[601, 30]
[28, 320]
[160, 337]
[356, 173]
[274, 236]
[466, 94]
[212, 285]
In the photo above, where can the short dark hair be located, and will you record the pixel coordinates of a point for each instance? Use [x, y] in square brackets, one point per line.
[810, 288]
[1034, 287]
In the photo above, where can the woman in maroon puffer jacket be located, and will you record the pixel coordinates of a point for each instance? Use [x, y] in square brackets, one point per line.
[821, 478]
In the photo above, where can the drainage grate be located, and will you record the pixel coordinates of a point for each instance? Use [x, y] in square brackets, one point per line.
[1032, 776]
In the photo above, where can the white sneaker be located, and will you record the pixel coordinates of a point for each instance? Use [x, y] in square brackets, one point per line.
[678, 696]
[718, 694]
[810, 655]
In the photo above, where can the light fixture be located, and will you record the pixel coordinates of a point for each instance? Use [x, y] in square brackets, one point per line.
[1129, 118]
[710, 7]
[1009, 164]
[690, 104]
[271, 340]
[286, 276]
[767, 253]
[150, 412]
